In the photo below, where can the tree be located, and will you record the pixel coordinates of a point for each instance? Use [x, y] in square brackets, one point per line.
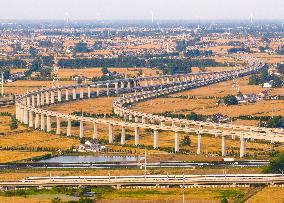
[186, 141]
[277, 82]
[45, 72]
[280, 68]
[56, 200]
[6, 72]
[86, 200]
[33, 52]
[224, 200]
[13, 124]
[276, 165]
[81, 47]
[104, 70]
[82, 140]
[230, 100]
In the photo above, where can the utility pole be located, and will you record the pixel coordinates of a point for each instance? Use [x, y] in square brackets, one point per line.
[273, 109]
[2, 84]
[145, 163]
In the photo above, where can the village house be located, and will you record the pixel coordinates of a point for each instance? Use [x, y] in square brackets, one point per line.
[91, 146]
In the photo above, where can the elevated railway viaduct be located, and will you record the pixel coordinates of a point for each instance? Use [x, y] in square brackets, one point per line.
[30, 111]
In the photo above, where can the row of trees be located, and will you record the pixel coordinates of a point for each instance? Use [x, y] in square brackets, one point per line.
[169, 66]
[239, 49]
[13, 63]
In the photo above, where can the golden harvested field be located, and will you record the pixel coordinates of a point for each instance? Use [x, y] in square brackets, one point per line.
[102, 105]
[169, 195]
[23, 86]
[24, 199]
[5, 125]
[10, 156]
[209, 107]
[226, 88]
[173, 195]
[268, 58]
[9, 109]
[37, 139]
[271, 195]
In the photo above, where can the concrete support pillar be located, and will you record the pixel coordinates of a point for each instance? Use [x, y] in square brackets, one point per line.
[233, 137]
[52, 97]
[22, 115]
[176, 142]
[136, 119]
[31, 119]
[116, 88]
[81, 93]
[107, 86]
[122, 139]
[26, 116]
[42, 99]
[95, 135]
[146, 83]
[33, 100]
[143, 120]
[243, 147]
[38, 99]
[199, 144]
[122, 85]
[58, 122]
[136, 136]
[59, 96]
[42, 122]
[98, 91]
[128, 84]
[156, 144]
[66, 94]
[224, 148]
[17, 112]
[47, 98]
[69, 127]
[48, 123]
[89, 92]
[130, 117]
[110, 134]
[74, 93]
[28, 101]
[37, 124]
[81, 129]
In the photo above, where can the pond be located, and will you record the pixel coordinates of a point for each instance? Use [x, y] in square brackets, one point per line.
[91, 159]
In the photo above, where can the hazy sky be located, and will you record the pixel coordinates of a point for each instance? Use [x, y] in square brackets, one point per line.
[141, 9]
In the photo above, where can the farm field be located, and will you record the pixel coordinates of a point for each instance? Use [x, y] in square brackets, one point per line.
[146, 195]
[24, 86]
[268, 194]
[11, 156]
[37, 139]
[205, 101]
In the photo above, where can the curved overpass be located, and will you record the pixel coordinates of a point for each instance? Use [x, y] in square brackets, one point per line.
[29, 107]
